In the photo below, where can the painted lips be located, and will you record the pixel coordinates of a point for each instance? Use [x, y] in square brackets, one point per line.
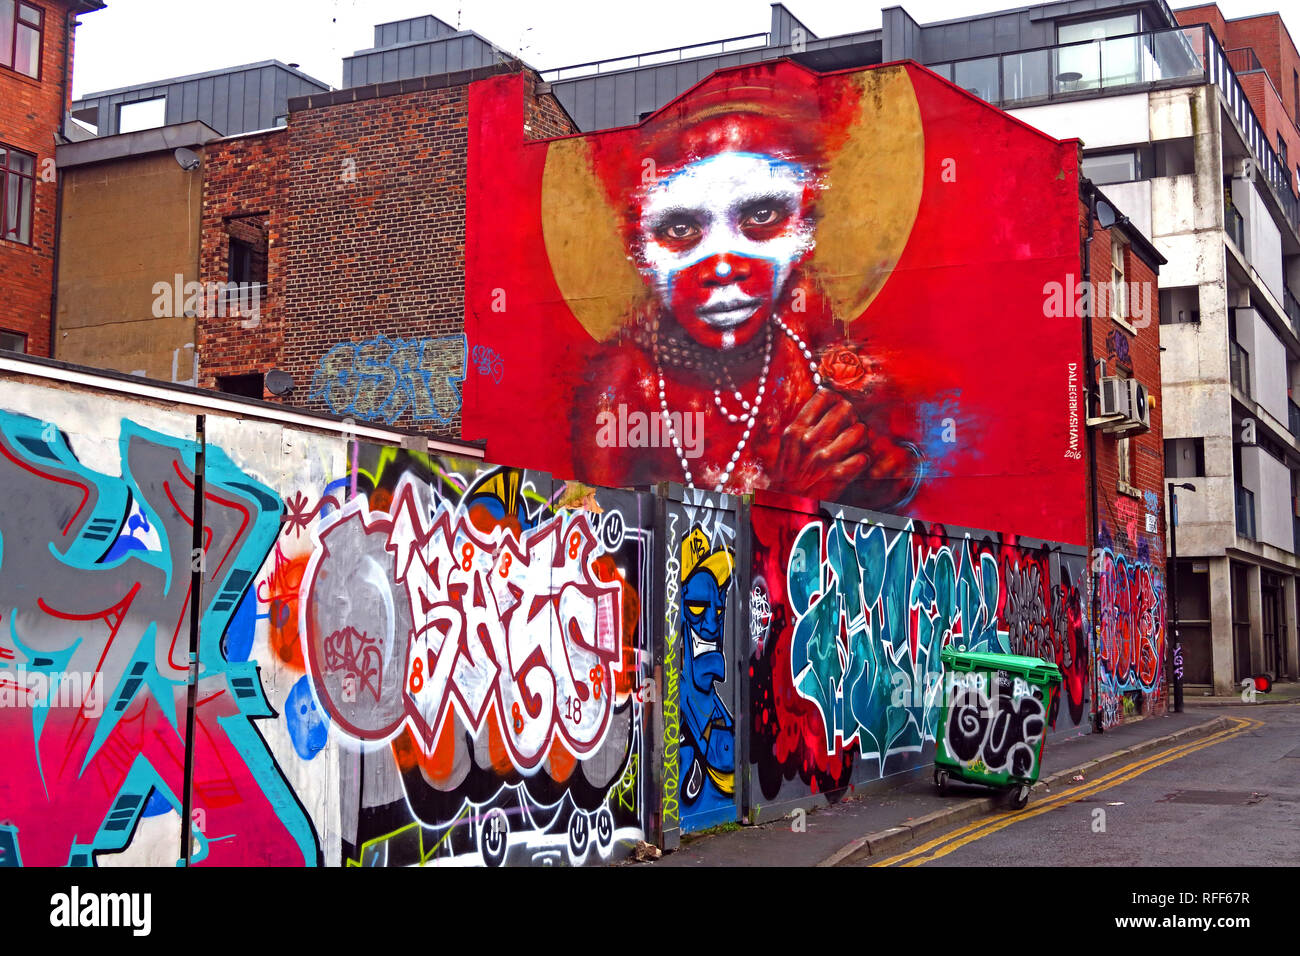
[730, 313]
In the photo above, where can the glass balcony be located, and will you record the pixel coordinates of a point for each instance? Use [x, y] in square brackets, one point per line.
[1067, 70]
[1293, 418]
[1029, 76]
[1245, 512]
[1236, 227]
[1292, 306]
[1239, 367]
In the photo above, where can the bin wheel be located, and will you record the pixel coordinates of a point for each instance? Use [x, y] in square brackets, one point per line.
[1020, 797]
[941, 778]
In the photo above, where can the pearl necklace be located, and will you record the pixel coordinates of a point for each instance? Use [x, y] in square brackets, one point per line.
[749, 413]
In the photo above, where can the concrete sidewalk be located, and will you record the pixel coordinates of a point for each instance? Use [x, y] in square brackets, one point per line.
[1282, 693]
[883, 821]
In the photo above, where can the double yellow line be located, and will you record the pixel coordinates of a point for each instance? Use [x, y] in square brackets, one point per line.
[958, 838]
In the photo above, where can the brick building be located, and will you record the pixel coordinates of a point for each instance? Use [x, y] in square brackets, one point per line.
[36, 45]
[1126, 449]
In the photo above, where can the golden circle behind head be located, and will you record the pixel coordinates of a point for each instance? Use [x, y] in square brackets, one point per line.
[872, 190]
[872, 193]
[599, 283]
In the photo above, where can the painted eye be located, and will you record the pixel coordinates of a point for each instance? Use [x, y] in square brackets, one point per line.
[762, 219]
[678, 231]
[696, 609]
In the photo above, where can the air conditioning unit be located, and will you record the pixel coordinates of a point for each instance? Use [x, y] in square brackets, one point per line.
[1116, 400]
[1139, 406]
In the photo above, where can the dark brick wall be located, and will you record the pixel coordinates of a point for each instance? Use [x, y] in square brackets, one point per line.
[31, 112]
[245, 192]
[372, 268]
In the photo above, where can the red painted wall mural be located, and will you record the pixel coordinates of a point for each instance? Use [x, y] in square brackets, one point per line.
[829, 284]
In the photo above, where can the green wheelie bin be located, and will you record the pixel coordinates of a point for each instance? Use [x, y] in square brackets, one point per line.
[994, 720]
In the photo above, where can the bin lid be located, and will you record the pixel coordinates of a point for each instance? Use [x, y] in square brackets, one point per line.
[1034, 667]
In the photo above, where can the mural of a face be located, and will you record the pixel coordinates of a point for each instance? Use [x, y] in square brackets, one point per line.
[719, 239]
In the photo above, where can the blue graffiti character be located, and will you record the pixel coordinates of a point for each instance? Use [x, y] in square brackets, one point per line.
[708, 731]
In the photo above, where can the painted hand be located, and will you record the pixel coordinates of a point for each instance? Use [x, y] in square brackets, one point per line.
[827, 449]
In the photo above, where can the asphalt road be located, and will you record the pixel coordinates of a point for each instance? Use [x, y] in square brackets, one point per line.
[1232, 800]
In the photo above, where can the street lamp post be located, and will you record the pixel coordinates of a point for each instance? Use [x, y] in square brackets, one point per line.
[1175, 652]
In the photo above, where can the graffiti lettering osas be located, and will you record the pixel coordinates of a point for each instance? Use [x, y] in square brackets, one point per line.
[382, 379]
[490, 622]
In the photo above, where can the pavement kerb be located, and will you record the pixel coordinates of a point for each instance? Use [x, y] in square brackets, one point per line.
[892, 840]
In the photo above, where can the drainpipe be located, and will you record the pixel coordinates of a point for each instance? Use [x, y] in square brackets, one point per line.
[69, 25]
[1090, 379]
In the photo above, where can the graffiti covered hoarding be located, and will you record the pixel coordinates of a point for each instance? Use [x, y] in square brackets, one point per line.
[826, 284]
[848, 613]
[402, 659]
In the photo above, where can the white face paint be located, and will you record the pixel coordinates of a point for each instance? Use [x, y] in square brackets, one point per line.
[722, 235]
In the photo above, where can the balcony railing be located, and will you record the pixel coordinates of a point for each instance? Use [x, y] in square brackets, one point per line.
[1243, 60]
[1239, 366]
[1048, 73]
[667, 55]
[1293, 418]
[1292, 306]
[1236, 227]
[1245, 501]
[1192, 54]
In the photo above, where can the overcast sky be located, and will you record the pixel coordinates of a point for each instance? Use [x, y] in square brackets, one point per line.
[139, 41]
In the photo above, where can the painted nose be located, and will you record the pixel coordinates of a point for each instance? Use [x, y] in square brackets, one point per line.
[723, 270]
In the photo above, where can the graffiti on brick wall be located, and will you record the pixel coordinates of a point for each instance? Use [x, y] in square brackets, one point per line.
[1131, 633]
[95, 575]
[706, 731]
[847, 622]
[383, 379]
[482, 641]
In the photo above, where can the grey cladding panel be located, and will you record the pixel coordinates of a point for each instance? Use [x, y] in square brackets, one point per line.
[606, 116]
[253, 100]
[586, 103]
[175, 111]
[624, 99]
[268, 102]
[235, 105]
[207, 95]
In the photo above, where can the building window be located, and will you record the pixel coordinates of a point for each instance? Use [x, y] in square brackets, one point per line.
[1125, 464]
[144, 114]
[249, 386]
[1184, 457]
[13, 341]
[21, 27]
[1118, 289]
[1281, 150]
[17, 194]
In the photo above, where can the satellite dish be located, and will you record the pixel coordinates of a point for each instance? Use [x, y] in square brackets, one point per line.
[187, 159]
[278, 382]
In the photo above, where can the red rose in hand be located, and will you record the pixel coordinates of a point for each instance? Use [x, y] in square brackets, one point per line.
[845, 371]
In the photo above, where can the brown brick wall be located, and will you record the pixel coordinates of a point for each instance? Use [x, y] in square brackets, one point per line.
[372, 269]
[245, 196]
[31, 112]
[1135, 354]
